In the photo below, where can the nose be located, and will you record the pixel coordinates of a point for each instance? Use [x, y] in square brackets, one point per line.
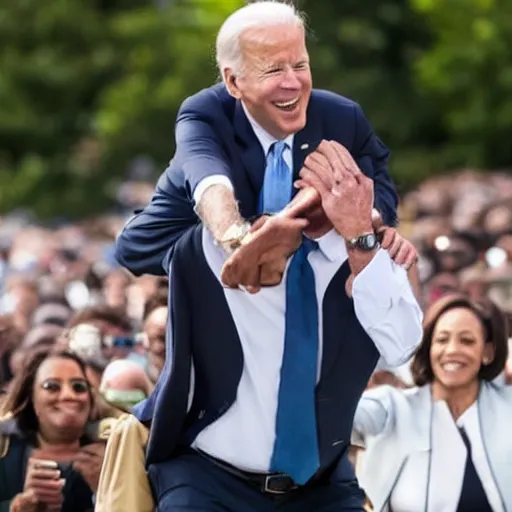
[452, 346]
[290, 79]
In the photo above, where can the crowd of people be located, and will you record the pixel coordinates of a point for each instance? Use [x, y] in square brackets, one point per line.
[84, 342]
[62, 290]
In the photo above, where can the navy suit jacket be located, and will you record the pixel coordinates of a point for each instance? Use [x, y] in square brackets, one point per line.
[214, 136]
[202, 332]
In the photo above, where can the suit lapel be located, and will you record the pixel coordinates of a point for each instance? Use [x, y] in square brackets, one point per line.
[251, 151]
[306, 141]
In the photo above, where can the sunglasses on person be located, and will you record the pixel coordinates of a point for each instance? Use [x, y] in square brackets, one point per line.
[79, 386]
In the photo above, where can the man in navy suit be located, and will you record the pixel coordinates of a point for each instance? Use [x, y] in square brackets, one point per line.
[254, 408]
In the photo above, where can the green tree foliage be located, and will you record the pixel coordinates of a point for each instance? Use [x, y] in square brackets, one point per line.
[87, 86]
[468, 71]
[367, 51]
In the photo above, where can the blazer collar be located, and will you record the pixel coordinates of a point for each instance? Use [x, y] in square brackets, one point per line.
[304, 142]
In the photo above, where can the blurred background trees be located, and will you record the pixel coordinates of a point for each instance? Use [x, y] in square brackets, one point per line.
[89, 89]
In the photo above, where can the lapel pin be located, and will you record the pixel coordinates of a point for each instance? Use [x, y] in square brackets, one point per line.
[304, 146]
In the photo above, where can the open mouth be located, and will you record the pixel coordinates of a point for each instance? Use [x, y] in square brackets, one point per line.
[452, 367]
[287, 106]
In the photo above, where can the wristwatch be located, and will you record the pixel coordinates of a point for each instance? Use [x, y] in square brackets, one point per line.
[232, 238]
[365, 242]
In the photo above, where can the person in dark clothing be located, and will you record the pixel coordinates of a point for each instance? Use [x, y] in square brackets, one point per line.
[50, 455]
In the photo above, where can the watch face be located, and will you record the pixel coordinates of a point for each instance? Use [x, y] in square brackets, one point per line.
[368, 241]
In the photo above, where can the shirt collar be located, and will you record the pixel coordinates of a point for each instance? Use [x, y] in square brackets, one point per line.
[332, 245]
[266, 140]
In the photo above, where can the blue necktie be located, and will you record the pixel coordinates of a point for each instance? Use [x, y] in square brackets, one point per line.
[296, 446]
[278, 181]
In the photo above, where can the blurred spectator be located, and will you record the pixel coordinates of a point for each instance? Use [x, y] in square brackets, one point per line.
[10, 338]
[49, 451]
[155, 324]
[124, 383]
[52, 313]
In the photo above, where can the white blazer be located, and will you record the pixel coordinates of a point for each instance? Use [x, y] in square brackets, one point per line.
[393, 424]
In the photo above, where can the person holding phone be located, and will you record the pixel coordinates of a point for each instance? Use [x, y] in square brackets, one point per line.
[50, 457]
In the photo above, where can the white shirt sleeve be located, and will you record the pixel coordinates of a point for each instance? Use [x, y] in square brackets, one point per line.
[372, 417]
[386, 307]
[216, 179]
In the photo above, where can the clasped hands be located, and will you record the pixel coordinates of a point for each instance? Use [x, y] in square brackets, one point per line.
[333, 193]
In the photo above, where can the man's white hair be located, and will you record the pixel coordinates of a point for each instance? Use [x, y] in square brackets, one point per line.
[259, 14]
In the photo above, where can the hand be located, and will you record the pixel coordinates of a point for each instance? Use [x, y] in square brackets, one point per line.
[306, 200]
[346, 193]
[88, 463]
[401, 251]
[43, 482]
[385, 377]
[24, 502]
[271, 240]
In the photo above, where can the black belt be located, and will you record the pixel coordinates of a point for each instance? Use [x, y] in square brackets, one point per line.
[268, 483]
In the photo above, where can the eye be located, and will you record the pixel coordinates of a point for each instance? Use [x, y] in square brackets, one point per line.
[442, 340]
[80, 386]
[467, 341]
[301, 65]
[52, 386]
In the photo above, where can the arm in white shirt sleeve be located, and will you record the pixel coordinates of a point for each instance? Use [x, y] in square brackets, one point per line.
[387, 309]
[374, 415]
[216, 179]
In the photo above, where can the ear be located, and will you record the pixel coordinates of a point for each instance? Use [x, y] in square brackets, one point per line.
[231, 83]
[488, 355]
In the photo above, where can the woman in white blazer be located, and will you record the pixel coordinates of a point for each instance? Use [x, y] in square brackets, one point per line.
[445, 445]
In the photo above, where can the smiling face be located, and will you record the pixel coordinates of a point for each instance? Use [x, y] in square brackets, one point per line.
[275, 83]
[458, 349]
[61, 397]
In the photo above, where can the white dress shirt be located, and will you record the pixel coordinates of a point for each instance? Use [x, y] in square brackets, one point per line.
[448, 461]
[244, 436]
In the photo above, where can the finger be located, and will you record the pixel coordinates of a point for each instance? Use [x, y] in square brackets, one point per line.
[44, 474]
[42, 463]
[251, 280]
[299, 184]
[320, 165]
[296, 224]
[48, 496]
[327, 149]
[393, 250]
[348, 161]
[311, 179]
[411, 257]
[388, 237]
[402, 254]
[50, 486]
[412, 260]
[301, 203]
[258, 223]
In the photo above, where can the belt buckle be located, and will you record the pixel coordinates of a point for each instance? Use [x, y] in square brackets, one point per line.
[284, 484]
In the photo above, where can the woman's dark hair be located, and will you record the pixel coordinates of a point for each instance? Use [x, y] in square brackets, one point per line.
[495, 327]
[18, 400]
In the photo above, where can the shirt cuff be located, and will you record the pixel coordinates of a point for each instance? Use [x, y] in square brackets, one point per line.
[377, 288]
[216, 179]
